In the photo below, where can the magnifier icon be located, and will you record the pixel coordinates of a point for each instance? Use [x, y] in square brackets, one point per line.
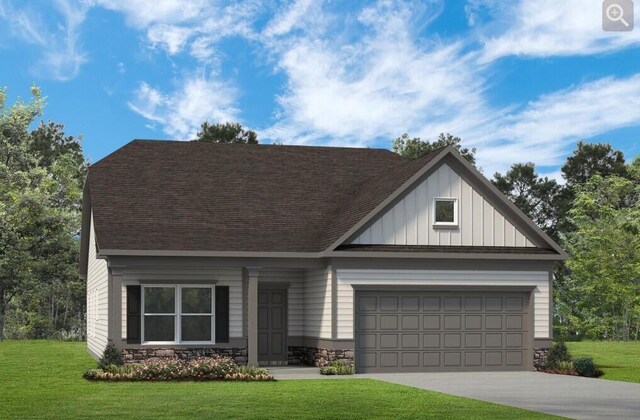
[615, 13]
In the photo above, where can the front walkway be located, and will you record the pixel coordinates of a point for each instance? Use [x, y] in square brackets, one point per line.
[568, 396]
[304, 372]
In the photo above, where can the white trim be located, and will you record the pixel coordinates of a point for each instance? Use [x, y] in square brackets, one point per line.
[177, 314]
[455, 212]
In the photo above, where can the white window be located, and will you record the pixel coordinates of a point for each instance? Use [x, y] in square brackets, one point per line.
[445, 211]
[178, 314]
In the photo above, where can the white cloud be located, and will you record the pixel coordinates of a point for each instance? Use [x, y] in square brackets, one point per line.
[544, 130]
[545, 28]
[169, 37]
[292, 17]
[380, 84]
[142, 13]
[180, 112]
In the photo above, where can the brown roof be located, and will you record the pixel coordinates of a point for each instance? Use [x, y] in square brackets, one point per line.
[189, 196]
[447, 248]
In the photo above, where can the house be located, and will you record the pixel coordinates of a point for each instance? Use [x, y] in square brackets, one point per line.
[300, 255]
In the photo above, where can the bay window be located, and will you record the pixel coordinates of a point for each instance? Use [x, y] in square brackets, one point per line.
[178, 314]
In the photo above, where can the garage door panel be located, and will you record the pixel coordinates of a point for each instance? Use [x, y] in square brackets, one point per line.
[367, 304]
[452, 322]
[431, 340]
[452, 304]
[431, 304]
[473, 340]
[431, 322]
[514, 322]
[472, 304]
[514, 358]
[493, 304]
[411, 359]
[493, 340]
[493, 322]
[410, 341]
[440, 331]
[389, 304]
[473, 322]
[367, 322]
[473, 358]
[452, 358]
[389, 341]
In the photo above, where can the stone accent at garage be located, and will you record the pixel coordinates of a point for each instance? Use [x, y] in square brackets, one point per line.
[140, 354]
[319, 357]
[540, 355]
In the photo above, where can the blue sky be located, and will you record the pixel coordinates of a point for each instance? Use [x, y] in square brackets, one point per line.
[519, 80]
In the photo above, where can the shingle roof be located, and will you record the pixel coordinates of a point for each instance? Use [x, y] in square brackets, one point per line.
[189, 196]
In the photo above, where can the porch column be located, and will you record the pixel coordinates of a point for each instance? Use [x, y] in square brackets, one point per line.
[252, 311]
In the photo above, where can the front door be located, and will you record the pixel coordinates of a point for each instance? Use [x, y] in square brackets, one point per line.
[272, 326]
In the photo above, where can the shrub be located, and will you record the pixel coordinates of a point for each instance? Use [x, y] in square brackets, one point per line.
[110, 356]
[565, 366]
[337, 367]
[201, 369]
[328, 370]
[559, 353]
[584, 366]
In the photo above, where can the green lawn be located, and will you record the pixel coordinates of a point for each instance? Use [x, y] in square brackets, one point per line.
[43, 379]
[620, 361]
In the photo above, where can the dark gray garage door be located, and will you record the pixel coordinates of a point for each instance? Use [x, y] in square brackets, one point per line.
[442, 331]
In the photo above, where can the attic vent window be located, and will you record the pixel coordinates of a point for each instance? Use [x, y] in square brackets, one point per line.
[445, 212]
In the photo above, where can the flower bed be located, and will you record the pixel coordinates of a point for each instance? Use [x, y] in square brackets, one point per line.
[201, 369]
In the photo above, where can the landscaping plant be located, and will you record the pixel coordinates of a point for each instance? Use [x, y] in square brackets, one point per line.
[558, 354]
[200, 369]
[337, 367]
[110, 357]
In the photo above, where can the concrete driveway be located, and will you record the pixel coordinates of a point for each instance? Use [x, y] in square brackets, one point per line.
[568, 396]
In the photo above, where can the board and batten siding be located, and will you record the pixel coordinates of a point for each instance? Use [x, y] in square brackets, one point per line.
[346, 279]
[410, 220]
[295, 296]
[317, 303]
[97, 299]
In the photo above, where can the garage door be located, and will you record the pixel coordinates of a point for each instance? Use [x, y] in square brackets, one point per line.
[437, 331]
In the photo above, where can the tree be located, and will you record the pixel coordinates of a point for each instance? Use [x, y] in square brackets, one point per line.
[604, 283]
[591, 159]
[534, 195]
[226, 133]
[415, 147]
[39, 207]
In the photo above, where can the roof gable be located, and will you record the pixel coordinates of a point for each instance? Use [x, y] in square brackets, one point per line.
[487, 218]
[410, 220]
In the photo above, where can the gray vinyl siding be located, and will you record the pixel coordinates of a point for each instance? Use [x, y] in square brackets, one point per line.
[295, 296]
[317, 303]
[97, 299]
[410, 220]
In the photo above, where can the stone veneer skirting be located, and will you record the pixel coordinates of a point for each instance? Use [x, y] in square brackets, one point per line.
[140, 354]
[540, 358]
[298, 355]
[319, 357]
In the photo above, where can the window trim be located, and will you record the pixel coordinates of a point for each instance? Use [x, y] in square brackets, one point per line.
[455, 212]
[177, 314]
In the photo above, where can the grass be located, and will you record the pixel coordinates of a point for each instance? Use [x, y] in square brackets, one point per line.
[620, 361]
[43, 379]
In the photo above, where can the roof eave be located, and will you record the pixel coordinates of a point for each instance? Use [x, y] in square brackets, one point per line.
[330, 254]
